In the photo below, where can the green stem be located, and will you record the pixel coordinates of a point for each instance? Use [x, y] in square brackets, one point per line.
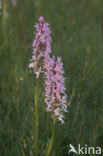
[36, 118]
[51, 140]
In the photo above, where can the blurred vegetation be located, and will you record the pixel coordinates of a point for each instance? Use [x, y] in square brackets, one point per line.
[77, 36]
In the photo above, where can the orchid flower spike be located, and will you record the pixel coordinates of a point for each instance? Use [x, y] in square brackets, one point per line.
[41, 47]
[55, 97]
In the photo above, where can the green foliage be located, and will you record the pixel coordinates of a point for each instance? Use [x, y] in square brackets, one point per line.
[77, 36]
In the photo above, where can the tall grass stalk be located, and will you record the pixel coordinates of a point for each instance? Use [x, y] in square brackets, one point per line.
[36, 117]
[51, 140]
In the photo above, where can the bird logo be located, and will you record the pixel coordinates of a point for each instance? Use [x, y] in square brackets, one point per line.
[72, 149]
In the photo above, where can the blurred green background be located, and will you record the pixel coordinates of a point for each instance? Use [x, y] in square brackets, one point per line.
[77, 36]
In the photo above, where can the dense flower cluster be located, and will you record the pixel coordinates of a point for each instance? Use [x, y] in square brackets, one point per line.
[55, 96]
[41, 46]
